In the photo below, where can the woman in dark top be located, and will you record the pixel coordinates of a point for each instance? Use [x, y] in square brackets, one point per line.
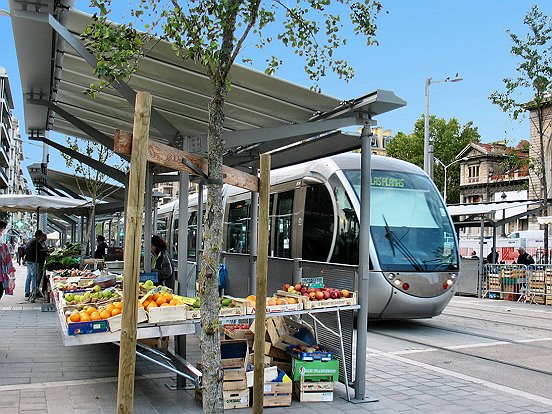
[101, 248]
[160, 262]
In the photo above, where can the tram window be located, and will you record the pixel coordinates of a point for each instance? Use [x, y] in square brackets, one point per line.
[318, 223]
[192, 234]
[237, 239]
[283, 224]
[348, 226]
[162, 227]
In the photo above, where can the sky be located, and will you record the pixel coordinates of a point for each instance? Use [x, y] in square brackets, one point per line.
[417, 40]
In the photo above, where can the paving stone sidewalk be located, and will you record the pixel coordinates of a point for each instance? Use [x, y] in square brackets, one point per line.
[40, 375]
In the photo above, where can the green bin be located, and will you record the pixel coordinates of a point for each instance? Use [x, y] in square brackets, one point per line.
[316, 370]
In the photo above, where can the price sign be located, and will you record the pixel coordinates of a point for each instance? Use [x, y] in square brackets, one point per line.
[313, 282]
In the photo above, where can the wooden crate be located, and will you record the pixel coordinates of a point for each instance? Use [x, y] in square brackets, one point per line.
[314, 391]
[167, 314]
[232, 399]
[234, 379]
[277, 394]
[115, 321]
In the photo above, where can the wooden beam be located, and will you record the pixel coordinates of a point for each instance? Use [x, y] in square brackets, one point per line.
[262, 270]
[133, 240]
[171, 157]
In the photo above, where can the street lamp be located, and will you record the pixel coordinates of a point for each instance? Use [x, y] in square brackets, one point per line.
[428, 165]
[503, 198]
[445, 168]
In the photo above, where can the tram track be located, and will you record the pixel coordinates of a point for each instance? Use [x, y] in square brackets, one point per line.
[456, 349]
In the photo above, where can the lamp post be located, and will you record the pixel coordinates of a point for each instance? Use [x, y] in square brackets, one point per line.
[445, 169]
[427, 157]
[503, 198]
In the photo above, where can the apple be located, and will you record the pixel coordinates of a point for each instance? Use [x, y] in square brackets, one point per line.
[291, 289]
[319, 295]
[326, 294]
[345, 293]
[303, 289]
[312, 295]
[298, 287]
[285, 287]
[334, 294]
[306, 294]
[309, 290]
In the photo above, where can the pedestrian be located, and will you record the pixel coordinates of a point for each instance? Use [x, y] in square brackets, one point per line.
[42, 255]
[492, 257]
[7, 270]
[21, 253]
[31, 258]
[161, 262]
[524, 258]
[474, 255]
[101, 248]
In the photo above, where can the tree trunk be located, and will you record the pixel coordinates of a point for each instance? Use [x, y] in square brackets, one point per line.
[89, 223]
[212, 242]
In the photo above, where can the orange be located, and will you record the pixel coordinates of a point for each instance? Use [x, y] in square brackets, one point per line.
[291, 301]
[105, 314]
[85, 317]
[118, 305]
[156, 296]
[75, 317]
[271, 302]
[168, 296]
[152, 305]
[95, 316]
[174, 302]
[110, 307]
[163, 304]
[281, 301]
[145, 304]
[115, 312]
[91, 310]
[252, 298]
[160, 300]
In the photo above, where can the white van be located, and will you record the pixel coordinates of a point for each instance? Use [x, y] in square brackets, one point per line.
[527, 234]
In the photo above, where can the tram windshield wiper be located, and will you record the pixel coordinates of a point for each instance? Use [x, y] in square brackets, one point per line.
[394, 241]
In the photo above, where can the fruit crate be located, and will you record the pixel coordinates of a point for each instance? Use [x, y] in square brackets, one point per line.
[315, 370]
[314, 391]
[115, 321]
[330, 303]
[238, 331]
[232, 399]
[310, 356]
[161, 314]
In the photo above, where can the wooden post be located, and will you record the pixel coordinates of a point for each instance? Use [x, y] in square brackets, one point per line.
[262, 268]
[133, 240]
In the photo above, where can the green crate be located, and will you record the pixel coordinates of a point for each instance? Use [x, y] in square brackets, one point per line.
[509, 280]
[316, 370]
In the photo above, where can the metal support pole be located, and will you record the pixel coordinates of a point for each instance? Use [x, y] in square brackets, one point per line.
[427, 160]
[183, 283]
[363, 266]
[253, 242]
[480, 279]
[147, 219]
[199, 233]
[297, 270]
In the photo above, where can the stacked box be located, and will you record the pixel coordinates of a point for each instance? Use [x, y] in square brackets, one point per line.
[232, 399]
[314, 391]
[493, 283]
[277, 394]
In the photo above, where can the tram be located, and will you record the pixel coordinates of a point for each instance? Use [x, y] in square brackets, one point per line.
[314, 215]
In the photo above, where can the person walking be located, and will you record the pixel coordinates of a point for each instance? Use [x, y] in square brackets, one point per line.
[7, 270]
[31, 259]
[21, 253]
[42, 254]
[161, 262]
[492, 257]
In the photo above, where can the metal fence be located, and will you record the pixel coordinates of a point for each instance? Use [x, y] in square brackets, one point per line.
[531, 284]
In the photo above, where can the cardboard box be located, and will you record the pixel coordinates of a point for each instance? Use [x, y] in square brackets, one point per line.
[237, 331]
[315, 370]
[270, 374]
[81, 328]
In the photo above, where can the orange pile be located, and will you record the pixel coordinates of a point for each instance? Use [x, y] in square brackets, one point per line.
[159, 300]
[93, 314]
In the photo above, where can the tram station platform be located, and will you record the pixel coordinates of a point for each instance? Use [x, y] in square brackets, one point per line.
[39, 375]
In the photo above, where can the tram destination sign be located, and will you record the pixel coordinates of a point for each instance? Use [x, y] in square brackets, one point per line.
[313, 282]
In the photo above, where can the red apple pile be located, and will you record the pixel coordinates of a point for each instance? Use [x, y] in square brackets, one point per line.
[323, 293]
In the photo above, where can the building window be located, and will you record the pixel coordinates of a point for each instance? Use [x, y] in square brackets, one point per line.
[473, 173]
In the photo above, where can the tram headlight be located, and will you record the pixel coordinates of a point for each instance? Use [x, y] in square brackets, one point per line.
[391, 276]
[397, 282]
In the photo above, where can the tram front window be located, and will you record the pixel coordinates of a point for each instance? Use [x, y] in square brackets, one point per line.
[410, 227]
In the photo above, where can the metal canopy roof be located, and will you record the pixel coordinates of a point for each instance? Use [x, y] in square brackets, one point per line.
[478, 209]
[54, 75]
